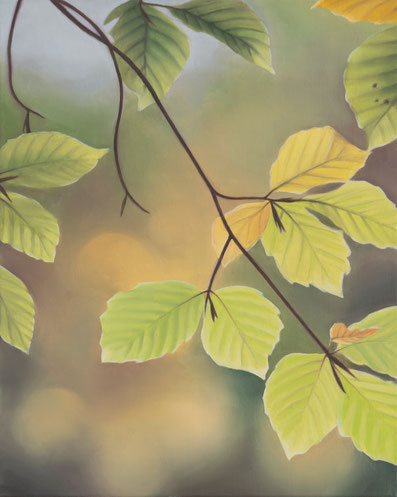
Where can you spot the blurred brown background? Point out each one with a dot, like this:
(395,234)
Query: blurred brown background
(179,425)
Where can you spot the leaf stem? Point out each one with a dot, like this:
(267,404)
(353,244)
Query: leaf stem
(364,369)
(217,266)
(101,37)
(28,110)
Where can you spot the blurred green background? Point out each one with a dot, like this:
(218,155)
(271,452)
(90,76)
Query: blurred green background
(179,425)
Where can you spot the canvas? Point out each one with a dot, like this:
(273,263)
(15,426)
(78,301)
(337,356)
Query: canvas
(197,234)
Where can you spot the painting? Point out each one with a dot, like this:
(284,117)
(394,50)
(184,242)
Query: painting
(197,234)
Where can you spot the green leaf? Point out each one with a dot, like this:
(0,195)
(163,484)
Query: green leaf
(301,400)
(16,311)
(47,159)
(361,210)
(149,321)
(158,47)
(244,333)
(28,227)
(371,86)
(368,415)
(377,351)
(232,22)
(308,252)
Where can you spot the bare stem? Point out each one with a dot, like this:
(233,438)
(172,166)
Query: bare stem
(28,110)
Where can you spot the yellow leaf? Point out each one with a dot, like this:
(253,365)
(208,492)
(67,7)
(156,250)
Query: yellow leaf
(315,157)
(377,11)
(340,333)
(247,221)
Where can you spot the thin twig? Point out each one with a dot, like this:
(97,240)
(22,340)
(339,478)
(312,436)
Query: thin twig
(28,110)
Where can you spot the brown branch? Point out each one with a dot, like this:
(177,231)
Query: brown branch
(28,110)
(101,36)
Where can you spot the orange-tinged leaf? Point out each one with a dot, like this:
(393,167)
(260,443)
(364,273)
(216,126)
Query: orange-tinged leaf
(315,157)
(377,11)
(247,221)
(340,333)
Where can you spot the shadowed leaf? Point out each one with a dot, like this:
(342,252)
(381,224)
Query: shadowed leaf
(159,48)
(371,87)
(232,22)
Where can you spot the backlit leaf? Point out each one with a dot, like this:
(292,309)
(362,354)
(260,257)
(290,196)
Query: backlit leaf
(315,157)
(340,333)
(371,88)
(368,415)
(378,11)
(377,351)
(16,311)
(244,333)
(361,210)
(232,22)
(301,400)
(28,227)
(308,252)
(247,221)
(155,44)
(149,321)
(46,160)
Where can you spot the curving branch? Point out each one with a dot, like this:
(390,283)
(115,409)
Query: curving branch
(28,110)
(66,8)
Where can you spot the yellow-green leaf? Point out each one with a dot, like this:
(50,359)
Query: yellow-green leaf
(16,311)
(149,321)
(28,227)
(377,11)
(232,22)
(377,351)
(368,414)
(371,88)
(315,157)
(247,222)
(154,43)
(47,159)
(245,331)
(301,400)
(308,252)
(361,210)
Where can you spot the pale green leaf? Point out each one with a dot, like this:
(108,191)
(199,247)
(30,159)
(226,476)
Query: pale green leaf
(301,400)
(308,252)
(368,414)
(361,210)
(377,351)
(232,22)
(149,321)
(28,227)
(244,333)
(47,159)
(371,87)
(159,48)
(16,311)
(315,157)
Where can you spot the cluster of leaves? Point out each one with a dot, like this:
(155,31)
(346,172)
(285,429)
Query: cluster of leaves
(305,249)
(35,160)
(303,231)
(160,48)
